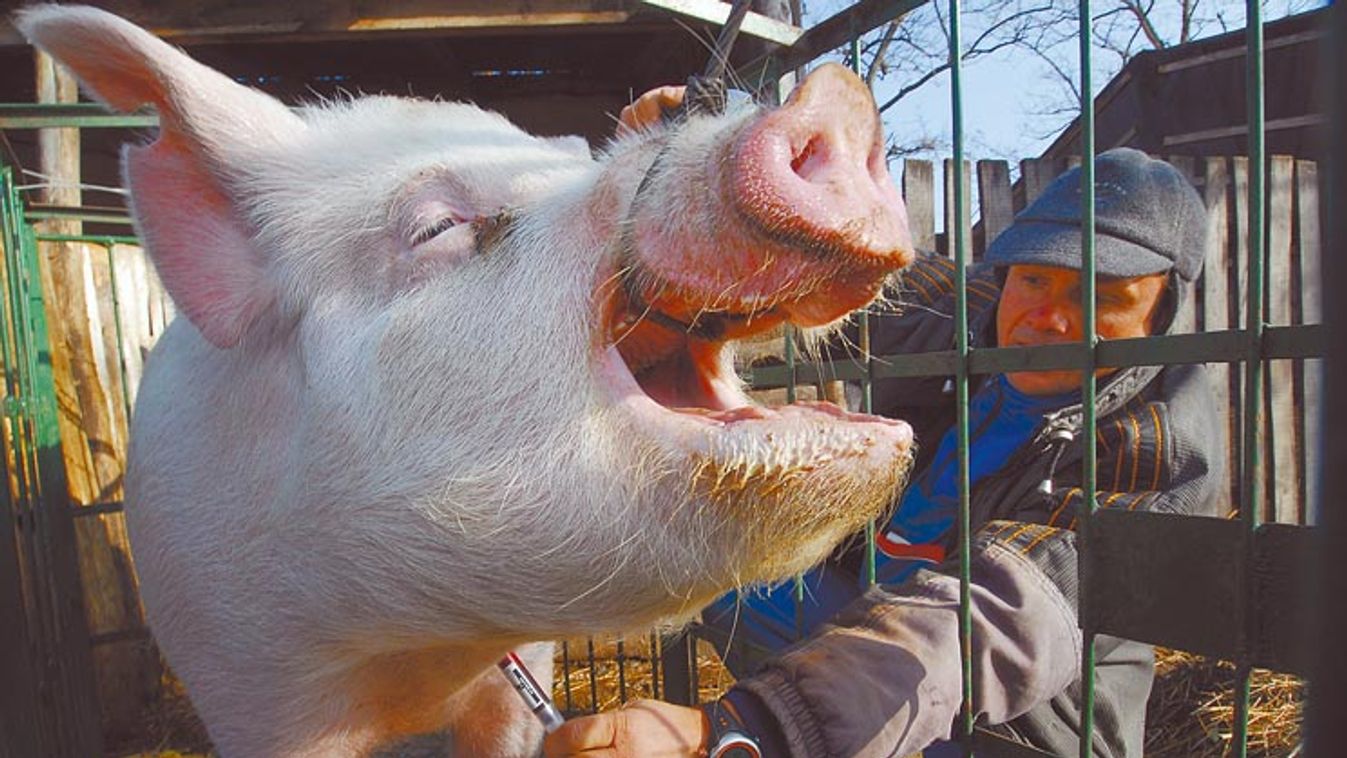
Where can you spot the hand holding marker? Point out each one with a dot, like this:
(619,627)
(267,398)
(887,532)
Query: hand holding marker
(534,696)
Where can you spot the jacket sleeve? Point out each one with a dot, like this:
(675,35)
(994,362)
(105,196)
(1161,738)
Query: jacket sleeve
(884,678)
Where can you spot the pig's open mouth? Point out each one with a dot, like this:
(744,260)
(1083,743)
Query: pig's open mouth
(684,390)
(792,219)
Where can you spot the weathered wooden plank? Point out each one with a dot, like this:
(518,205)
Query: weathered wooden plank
(1215,313)
(187,21)
(1240,295)
(93,419)
(1311,312)
(919,196)
(1036,175)
(994,199)
(67,679)
(1282,468)
(754,24)
(136,307)
(966,221)
(1185,321)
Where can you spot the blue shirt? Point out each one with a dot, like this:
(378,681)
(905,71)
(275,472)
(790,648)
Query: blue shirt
(1001,420)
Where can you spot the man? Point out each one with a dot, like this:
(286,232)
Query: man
(879,673)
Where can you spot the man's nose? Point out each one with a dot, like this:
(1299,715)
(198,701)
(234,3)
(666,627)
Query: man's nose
(1050,318)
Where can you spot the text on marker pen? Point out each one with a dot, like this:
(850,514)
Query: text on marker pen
(534,696)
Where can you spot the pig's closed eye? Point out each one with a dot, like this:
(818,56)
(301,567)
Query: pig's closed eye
(434,230)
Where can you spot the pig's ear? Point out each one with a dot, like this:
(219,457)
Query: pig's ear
(185,186)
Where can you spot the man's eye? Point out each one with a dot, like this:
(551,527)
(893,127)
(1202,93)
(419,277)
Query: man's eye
(434,230)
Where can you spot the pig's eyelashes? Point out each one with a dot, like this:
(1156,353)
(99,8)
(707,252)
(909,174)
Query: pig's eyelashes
(434,230)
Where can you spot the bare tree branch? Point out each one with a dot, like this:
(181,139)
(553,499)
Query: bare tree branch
(877,62)
(1144,20)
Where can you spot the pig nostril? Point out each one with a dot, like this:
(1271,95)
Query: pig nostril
(801,164)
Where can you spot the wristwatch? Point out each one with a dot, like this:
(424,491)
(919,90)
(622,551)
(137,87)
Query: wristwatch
(729,738)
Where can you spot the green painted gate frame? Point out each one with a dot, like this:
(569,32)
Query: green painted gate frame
(59,707)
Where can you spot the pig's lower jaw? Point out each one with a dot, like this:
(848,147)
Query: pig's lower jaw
(787,483)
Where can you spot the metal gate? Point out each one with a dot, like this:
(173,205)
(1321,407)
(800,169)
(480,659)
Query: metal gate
(47,706)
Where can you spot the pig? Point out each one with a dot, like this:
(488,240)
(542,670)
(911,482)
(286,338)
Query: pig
(441,389)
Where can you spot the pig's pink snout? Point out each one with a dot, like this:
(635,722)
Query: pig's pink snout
(814,170)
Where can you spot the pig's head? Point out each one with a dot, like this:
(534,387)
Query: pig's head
(443,380)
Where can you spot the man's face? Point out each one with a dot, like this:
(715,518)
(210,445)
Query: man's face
(1040,305)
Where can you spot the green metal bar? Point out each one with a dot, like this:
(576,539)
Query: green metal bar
(90,239)
(867,380)
(53,527)
(70,116)
(960,246)
(1278,343)
(1089,338)
(790,398)
(76,214)
(16,405)
(1253,366)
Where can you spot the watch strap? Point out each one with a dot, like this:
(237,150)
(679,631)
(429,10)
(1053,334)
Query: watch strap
(728,736)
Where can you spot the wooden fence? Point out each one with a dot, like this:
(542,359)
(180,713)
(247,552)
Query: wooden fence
(100,341)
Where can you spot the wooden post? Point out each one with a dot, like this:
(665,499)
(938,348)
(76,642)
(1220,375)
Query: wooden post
(92,422)
(1036,174)
(1311,312)
(965,176)
(1215,314)
(1240,296)
(919,196)
(1283,477)
(997,209)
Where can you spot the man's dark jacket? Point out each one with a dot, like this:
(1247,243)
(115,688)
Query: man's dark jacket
(884,677)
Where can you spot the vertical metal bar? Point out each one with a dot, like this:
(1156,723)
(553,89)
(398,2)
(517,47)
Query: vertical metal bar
(1253,366)
(790,398)
(20,707)
(677,664)
(593,678)
(867,380)
(72,670)
(960,244)
(621,672)
(1087,385)
(566,675)
(656,685)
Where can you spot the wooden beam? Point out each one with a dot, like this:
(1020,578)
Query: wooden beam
(830,33)
(203,21)
(714,11)
(91,418)
(483,21)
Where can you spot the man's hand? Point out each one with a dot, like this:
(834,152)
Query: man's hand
(640,729)
(649,107)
